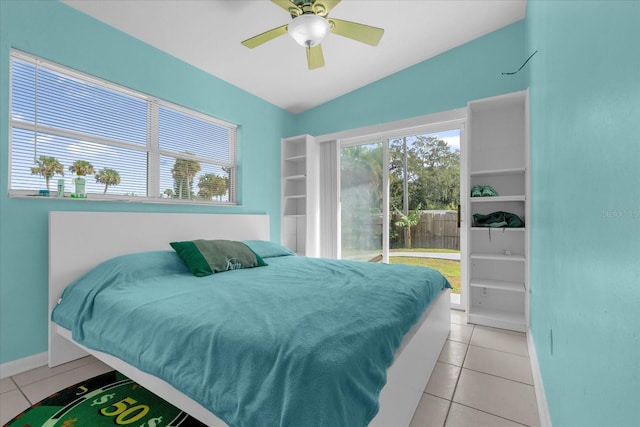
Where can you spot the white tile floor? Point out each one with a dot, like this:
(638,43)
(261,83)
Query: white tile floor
(483,378)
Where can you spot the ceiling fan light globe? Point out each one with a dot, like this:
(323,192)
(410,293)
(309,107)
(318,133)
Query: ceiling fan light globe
(309,30)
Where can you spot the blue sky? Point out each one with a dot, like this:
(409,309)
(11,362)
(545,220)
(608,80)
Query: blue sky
(451,137)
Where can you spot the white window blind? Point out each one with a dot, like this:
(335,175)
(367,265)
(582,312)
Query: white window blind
(158,150)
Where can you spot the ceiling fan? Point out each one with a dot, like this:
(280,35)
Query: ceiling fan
(310,25)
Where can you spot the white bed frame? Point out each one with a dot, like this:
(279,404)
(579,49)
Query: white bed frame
(79,241)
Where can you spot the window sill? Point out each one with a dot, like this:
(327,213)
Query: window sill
(119,199)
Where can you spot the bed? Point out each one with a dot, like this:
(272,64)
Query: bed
(80,241)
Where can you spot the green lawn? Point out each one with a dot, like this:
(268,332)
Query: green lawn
(450,251)
(449,269)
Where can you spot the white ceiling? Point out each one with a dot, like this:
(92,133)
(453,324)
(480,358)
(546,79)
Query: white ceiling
(207,34)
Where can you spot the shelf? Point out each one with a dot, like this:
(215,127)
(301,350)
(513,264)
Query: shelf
(498,172)
(497,199)
(296,159)
(497,284)
(497,318)
(498,158)
(497,257)
(299,195)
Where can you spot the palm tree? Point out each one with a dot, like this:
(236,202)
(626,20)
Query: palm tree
(81,168)
(108,177)
(183,173)
(168,192)
(212,185)
(47,167)
(410,220)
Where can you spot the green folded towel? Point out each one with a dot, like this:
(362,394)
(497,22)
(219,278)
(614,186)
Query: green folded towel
(488,191)
(483,191)
(476,191)
(498,220)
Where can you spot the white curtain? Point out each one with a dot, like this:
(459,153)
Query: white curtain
(329,206)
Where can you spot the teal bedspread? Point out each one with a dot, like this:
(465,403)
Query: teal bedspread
(300,342)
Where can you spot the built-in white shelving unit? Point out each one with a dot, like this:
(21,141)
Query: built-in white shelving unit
(499,257)
(299,186)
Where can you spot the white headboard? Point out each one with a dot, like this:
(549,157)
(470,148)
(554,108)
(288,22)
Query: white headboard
(79,241)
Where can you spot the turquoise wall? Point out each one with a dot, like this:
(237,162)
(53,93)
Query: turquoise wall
(61,34)
(585,222)
(445,82)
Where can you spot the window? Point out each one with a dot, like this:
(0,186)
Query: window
(138,147)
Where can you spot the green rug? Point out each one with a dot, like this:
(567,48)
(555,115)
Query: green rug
(109,399)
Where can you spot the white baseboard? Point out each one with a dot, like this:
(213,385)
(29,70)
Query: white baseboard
(543,409)
(22,365)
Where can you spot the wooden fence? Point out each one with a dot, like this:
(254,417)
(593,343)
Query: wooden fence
(436,229)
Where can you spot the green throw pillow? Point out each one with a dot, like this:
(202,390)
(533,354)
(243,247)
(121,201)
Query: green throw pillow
(205,257)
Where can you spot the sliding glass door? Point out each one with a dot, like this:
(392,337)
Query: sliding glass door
(399,202)
(362,201)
